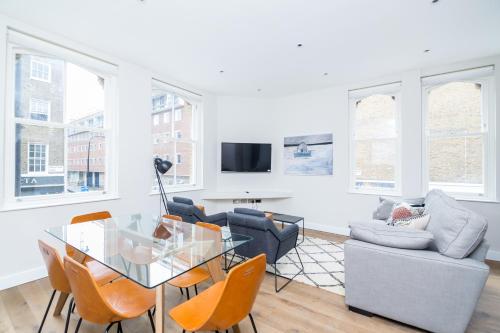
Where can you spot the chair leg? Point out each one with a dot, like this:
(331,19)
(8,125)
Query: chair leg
(78,325)
(70,310)
(196,289)
(182,293)
(47,310)
(187,292)
(150,315)
(253,323)
(284,277)
(109,327)
(120,329)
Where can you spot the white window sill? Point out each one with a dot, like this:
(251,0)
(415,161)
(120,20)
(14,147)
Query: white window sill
(179,189)
(474,199)
(51,202)
(374,192)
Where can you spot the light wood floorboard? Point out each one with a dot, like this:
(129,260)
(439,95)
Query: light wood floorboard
(299,308)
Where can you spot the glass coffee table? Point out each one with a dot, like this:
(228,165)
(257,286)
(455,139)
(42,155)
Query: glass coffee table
(289,219)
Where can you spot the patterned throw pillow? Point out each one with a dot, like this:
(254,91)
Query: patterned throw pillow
(415,222)
(404,211)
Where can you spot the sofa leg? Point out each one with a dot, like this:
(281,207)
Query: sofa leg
(360,311)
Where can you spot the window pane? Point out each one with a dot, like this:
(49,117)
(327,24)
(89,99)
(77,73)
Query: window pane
(70,86)
(39,160)
(184,118)
(455,108)
(455,138)
(184,163)
(86,167)
(375,142)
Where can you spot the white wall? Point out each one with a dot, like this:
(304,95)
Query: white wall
(20,260)
(324,200)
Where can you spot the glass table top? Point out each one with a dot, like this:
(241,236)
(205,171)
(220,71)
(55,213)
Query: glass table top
(146,248)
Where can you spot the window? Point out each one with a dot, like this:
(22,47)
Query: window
(459,138)
(179,138)
(156,120)
(50,140)
(37,158)
(39,109)
(375,140)
(40,70)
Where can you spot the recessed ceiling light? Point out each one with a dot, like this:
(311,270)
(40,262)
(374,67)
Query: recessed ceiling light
(427,51)
(221,71)
(300,45)
(259,90)
(435,1)
(325,74)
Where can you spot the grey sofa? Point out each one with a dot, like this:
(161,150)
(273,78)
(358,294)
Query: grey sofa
(435,289)
(266,238)
(189,212)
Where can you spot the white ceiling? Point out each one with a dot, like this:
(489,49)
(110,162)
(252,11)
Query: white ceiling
(254,41)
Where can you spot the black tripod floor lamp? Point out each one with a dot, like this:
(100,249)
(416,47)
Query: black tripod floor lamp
(161,167)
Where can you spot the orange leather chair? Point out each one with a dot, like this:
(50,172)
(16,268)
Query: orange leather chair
(109,304)
(196,275)
(99,271)
(225,303)
(57,278)
(172,217)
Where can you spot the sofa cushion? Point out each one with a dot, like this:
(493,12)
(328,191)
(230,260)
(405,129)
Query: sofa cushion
(386,235)
(457,230)
(248,211)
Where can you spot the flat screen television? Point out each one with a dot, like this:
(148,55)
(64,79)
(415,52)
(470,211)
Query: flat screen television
(245,157)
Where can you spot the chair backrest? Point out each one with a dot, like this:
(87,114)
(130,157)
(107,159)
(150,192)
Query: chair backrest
(89,302)
(183,200)
(70,251)
(240,289)
(172,217)
(55,268)
(261,229)
(188,211)
(211,226)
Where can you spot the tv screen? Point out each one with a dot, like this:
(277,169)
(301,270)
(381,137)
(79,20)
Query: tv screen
(246,157)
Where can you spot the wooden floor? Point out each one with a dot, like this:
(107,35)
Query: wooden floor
(298,308)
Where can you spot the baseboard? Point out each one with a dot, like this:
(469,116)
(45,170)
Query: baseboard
(493,255)
(344,231)
(19,278)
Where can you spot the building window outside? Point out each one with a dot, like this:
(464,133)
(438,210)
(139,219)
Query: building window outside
(156,120)
(375,141)
(54,125)
(37,158)
(458,133)
(39,109)
(40,71)
(184,141)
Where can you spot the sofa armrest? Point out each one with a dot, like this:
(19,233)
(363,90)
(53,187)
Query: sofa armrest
(417,287)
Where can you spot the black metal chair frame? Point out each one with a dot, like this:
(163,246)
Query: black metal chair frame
(227,331)
(119,323)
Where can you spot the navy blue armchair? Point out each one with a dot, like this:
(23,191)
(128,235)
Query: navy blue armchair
(185,208)
(266,238)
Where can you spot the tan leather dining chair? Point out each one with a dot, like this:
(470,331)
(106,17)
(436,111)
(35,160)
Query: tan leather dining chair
(196,275)
(58,279)
(99,271)
(226,303)
(108,304)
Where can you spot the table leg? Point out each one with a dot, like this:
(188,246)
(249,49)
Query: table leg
(160,307)
(60,303)
(78,257)
(214,267)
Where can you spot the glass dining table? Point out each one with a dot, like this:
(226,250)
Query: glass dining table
(149,250)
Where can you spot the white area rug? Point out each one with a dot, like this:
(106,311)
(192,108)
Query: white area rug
(323,264)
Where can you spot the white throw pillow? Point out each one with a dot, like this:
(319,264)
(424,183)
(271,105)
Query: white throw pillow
(415,222)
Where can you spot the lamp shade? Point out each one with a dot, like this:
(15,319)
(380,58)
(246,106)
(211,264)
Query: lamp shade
(162,165)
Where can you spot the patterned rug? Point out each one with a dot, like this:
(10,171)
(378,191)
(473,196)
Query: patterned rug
(323,265)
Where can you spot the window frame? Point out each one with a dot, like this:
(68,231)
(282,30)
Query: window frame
(49,72)
(49,105)
(196,138)
(489,145)
(394,89)
(24,44)
(35,173)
